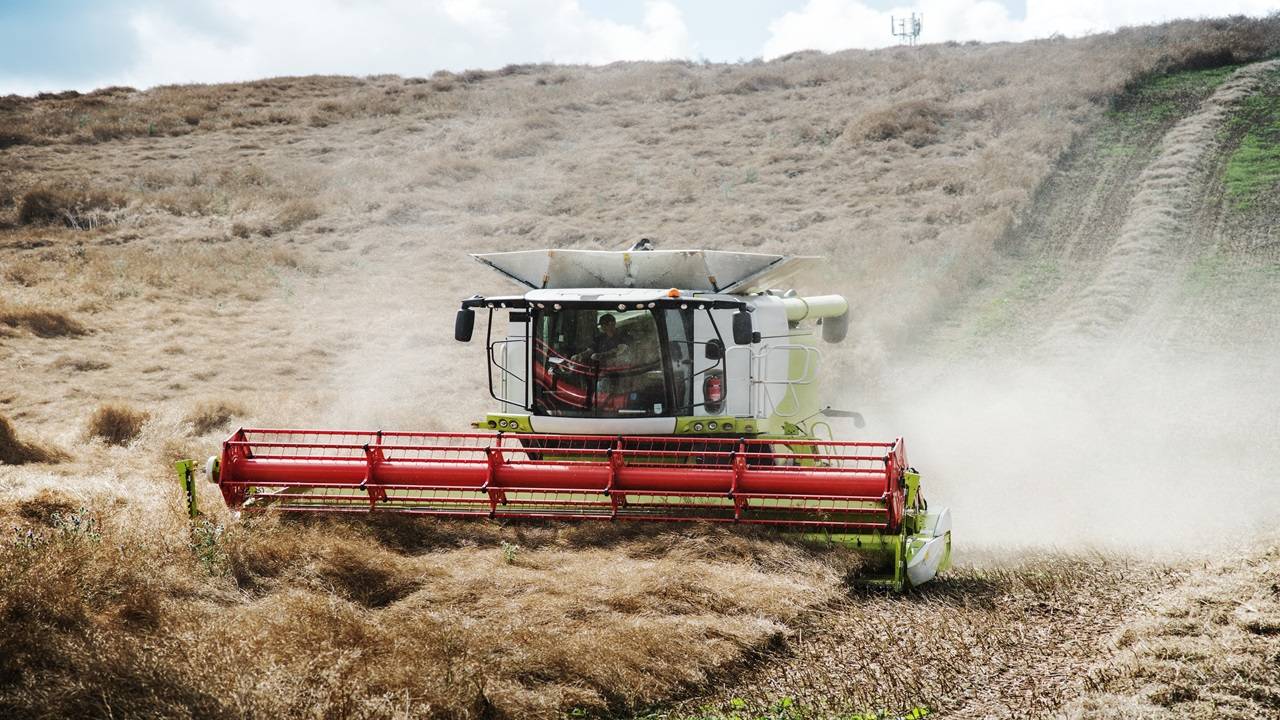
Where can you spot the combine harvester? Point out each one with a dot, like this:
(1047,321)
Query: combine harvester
(647,385)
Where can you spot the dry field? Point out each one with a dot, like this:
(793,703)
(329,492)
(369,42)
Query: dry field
(1066,299)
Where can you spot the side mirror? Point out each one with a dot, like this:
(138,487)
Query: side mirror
(714,350)
(743,332)
(463,325)
(857,418)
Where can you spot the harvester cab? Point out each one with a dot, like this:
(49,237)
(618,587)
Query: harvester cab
(663,346)
(645,385)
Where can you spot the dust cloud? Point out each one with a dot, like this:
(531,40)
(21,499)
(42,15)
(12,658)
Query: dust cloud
(1140,417)
(1133,451)
(395,363)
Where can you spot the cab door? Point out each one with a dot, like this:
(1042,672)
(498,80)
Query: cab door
(511,356)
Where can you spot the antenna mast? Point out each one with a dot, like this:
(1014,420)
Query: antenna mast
(907,30)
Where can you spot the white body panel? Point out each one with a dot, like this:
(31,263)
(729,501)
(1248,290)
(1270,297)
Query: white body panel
(924,565)
(603,426)
(782,362)
(512,357)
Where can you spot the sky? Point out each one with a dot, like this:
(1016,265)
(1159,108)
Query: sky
(51,45)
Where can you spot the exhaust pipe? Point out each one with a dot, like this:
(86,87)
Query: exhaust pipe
(832,311)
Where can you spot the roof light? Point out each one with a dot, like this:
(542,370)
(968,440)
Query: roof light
(711,425)
(651,305)
(673,293)
(622,306)
(556,306)
(697,427)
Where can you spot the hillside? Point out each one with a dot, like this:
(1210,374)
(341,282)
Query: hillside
(1114,357)
(1062,261)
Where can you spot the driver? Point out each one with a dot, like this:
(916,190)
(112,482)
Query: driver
(609,346)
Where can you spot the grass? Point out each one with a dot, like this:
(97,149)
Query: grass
(1159,91)
(79,364)
(119,113)
(1252,174)
(916,122)
(1157,102)
(374,622)
(833,121)
(105,273)
(14,451)
(212,415)
(41,322)
(1209,271)
(1030,286)
(80,210)
(117,424)
(786,709)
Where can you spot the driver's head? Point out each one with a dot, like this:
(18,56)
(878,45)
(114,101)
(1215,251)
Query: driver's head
(608,325)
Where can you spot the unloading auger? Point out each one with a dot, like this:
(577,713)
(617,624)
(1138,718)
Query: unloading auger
(661,386)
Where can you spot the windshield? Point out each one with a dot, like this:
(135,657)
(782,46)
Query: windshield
(612,363)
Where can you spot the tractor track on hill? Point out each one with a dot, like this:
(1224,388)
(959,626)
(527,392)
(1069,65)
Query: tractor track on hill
(1164,222)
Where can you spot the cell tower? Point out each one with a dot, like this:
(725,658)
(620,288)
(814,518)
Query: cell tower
(907,30)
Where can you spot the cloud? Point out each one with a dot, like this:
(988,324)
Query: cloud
(839,24)
(205,41)
(40,44)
